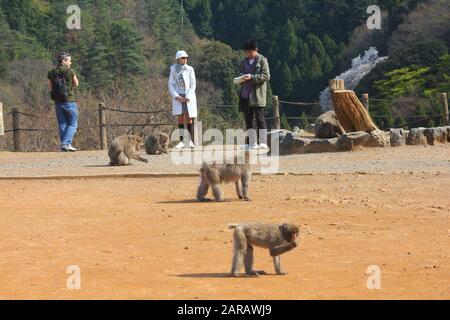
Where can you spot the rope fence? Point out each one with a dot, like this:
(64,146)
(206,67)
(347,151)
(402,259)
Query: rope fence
(276,118)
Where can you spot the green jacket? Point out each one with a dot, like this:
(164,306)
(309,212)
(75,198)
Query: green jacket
(258,97)
(69,74)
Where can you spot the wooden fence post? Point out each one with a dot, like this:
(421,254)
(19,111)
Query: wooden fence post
(276,112)
(2,125)
(365,101)
(102,126)
(16,129)
(445,115)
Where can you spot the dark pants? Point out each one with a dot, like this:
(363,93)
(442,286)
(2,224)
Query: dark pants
(254,119)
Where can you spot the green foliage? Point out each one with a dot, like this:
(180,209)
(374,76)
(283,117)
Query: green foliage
(303,121)
(285,123)
(401,82)
(200,14)
(128,49)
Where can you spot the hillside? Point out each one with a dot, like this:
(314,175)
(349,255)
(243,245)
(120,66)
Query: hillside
(124,49)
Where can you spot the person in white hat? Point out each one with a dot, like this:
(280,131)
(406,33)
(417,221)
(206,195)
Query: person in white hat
(182,86)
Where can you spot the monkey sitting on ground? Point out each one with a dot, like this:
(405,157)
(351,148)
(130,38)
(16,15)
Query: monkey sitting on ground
(327,126)
(213,175)
(157,143)
(125,148)
(278,239)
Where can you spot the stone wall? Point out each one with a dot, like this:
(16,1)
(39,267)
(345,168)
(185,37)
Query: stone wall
(296,143)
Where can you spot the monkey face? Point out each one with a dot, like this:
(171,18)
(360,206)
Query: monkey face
(291,231)
(164,140)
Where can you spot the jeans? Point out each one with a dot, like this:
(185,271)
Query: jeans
(67,115)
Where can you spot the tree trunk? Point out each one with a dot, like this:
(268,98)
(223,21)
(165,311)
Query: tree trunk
(351,112)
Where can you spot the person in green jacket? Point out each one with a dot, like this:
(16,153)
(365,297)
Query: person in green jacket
(253,95)
(61,81)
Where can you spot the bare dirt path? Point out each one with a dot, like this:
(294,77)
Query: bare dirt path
(376,160)
(146,238)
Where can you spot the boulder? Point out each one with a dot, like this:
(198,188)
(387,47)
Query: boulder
(348,141)
(289,142)
(310,128)
(436,135)
(416,137)
(378,139)
(322,145)
(398,137)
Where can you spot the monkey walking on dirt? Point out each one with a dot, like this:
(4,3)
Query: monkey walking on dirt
(278,239)
(213,175)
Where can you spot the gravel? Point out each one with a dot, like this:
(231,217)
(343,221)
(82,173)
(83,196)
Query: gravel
(407,159)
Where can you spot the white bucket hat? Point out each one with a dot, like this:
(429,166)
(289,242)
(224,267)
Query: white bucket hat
(181,54)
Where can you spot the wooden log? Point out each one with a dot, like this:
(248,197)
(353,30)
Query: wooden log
(16,129)
(445,114)
(276,112)
(2,125)
(337,84)
(365,101)
(351,113)
(102,126)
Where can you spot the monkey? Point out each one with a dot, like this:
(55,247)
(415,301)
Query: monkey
(327,126)
(157,143)
(278,239)
(212,175)
(125,148)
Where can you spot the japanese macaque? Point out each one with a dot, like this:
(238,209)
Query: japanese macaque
(125,148)
(278,239)
(327,126)
(157,143)
(213,175)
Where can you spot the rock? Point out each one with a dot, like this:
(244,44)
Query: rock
(436,135)
(289,142)
(322,145)
(398,137)
(416,137)
(293,144)
(348,141)
(378,139)
(310,128)
(299,131)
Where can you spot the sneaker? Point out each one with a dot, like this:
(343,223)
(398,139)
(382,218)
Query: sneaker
(65,148)
(263,146)
(71,149)
(191,145)
(255,146)
(180,145)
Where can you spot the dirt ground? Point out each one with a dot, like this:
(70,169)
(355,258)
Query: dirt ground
(148,239)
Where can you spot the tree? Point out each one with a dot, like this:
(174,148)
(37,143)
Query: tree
(128,51)
(200,15)
(304,121)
